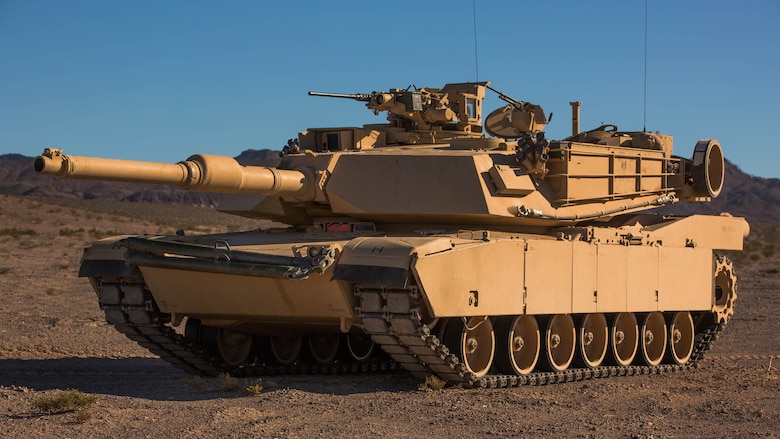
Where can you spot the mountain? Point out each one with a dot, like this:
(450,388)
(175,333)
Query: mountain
(756,198)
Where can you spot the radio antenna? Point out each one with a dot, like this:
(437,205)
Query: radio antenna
(476,58)
(644,115)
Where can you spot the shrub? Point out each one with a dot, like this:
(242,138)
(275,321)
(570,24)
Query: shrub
(257,386)
(15,232)
(255,389)
(229,384)
(194,381)
(432,383)
(71,232)
(27,244)
(65,401)
(99,234)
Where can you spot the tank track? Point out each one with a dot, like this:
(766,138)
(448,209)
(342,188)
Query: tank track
(390,316)
(393,319)
(130,308)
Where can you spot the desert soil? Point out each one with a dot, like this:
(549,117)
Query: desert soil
(53,337)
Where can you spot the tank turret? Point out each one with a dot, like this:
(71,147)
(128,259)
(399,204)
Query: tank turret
(483,253)
(453,174)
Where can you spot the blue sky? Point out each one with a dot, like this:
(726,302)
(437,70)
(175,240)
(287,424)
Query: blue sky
(161,80)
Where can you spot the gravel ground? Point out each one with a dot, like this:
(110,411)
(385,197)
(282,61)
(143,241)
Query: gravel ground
(53,337)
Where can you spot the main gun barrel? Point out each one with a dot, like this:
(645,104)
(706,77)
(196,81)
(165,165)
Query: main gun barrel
(202,172)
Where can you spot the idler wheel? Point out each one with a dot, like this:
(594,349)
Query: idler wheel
(473,342)
(681,337)
(360,346)
(324,347)
(560,337)
(653,341)
(233,346)
(592,340)
(623,338)
(519,342)
(286,348)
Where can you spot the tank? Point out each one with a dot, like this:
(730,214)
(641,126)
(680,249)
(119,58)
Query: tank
(476,251)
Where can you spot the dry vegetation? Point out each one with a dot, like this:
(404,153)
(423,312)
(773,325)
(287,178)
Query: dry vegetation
(54,337)
(68,401)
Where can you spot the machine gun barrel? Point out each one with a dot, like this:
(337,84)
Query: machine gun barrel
(508,99)
(362,97)
(202,172)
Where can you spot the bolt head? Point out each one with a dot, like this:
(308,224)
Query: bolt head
(518,343)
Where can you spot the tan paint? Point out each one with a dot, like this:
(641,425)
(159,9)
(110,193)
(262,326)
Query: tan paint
(686,280)
(480,227)
(248,297)
(554,276)
(483,278)
(548,277)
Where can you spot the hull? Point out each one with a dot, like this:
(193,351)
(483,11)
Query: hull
(475,307)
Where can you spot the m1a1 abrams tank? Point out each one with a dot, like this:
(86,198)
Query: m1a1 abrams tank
(423,243)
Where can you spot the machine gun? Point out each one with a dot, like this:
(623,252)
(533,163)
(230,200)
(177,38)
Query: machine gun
(362,97)
(519,119)
(454,106)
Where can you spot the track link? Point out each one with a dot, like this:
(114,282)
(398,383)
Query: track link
(394,321)
(130,308)
(390,316)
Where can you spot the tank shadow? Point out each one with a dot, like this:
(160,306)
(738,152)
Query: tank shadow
(152,378)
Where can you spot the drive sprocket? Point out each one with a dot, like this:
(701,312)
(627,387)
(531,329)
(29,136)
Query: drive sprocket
(725,289)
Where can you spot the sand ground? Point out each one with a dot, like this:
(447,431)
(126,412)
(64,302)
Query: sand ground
(53,337)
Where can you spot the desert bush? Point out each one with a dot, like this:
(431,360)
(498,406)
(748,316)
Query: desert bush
(258,386)
(255,389)
(64,401)
(71,232)
(99,234)
(16,232)
(194,381)
(228,383)
(432,383)
(768,251)
(83,415)
(4,270)
(27,244)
